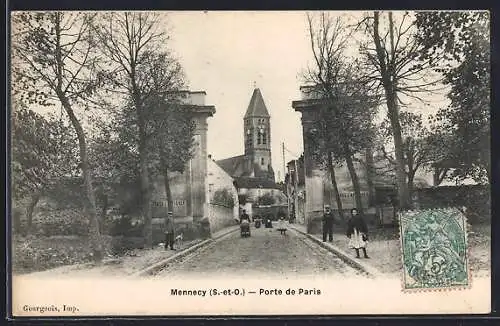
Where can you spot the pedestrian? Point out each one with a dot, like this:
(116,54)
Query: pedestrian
(282,225)
(244,216)
(169,231)
(327,224)
(357,232)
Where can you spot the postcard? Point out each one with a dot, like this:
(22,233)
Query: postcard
(198,163)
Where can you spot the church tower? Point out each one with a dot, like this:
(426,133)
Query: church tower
(257,129)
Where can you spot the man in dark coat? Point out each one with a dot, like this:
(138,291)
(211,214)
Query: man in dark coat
(328,224)
(169,231)
(244,216)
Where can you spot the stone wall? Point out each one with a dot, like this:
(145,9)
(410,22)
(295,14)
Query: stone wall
(220,217)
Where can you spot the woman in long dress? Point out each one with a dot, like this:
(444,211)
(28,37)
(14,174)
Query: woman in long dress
(282,225)
(357,232)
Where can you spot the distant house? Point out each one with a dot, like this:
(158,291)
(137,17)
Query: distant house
(222,196)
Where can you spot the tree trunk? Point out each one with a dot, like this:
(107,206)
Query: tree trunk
(144,171)
(90,203)
(411,177)
(369,176)
(166,180)
(439,175)
(388,82)
(29,211)
(355,180)
(435,177)
(16,220)
(104,211)
(334,184)
(403,194)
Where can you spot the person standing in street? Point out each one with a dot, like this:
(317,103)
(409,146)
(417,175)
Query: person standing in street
(244,216)
(357,232)
(328,224)
(169,231)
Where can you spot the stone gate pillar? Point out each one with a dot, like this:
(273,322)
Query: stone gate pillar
(314,181)
(188,188)
(197,174)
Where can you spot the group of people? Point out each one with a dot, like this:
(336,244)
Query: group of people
(282,223)
(357,230)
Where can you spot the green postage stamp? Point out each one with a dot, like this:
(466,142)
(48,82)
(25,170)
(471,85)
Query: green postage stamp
(434,249)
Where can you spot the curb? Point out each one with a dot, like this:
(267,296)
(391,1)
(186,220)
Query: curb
(159,265)
(370,270)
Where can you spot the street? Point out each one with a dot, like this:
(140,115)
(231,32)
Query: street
(266,253)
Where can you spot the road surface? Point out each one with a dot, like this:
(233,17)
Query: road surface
(266,252)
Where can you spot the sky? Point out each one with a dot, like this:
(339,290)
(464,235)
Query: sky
(225,53)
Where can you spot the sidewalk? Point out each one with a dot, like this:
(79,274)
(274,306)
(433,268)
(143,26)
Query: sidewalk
(135,262)
(335,247)
(152,268)
(384,249)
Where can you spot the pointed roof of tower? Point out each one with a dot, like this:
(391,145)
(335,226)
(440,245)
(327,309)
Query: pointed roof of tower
(257,107)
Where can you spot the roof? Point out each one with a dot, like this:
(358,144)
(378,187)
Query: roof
(257,107)
(253,183)
(233,166)
(237,167)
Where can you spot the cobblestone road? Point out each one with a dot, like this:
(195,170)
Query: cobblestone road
(266,252)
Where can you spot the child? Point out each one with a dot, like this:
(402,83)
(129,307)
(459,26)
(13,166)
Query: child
(282,226)
(357,232)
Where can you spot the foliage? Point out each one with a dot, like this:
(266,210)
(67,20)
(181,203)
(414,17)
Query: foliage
(44,44)
(42,253)
(115,165)
(223,197)
(54,59)
(172,141)
(266,199)
(345,122)
(463,39)
(143,75)
(418,144)
(476,198)
(389,61)
(43,151)
(343,126)
(126,226)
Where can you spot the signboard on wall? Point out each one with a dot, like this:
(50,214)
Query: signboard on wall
(179,190)
(348,200)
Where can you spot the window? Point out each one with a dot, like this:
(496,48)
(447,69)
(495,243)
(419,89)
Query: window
(262,161)
(264,138)
(249,137)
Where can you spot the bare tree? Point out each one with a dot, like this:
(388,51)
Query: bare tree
(391,62)
(346,117)
(417,148)
(53,60)
(133,41)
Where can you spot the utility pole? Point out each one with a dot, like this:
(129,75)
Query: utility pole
(296,193)
(284,179)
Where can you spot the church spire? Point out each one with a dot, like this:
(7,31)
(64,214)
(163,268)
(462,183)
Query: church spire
(257,107)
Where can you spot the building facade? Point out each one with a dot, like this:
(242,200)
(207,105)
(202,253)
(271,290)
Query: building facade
(223,197)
